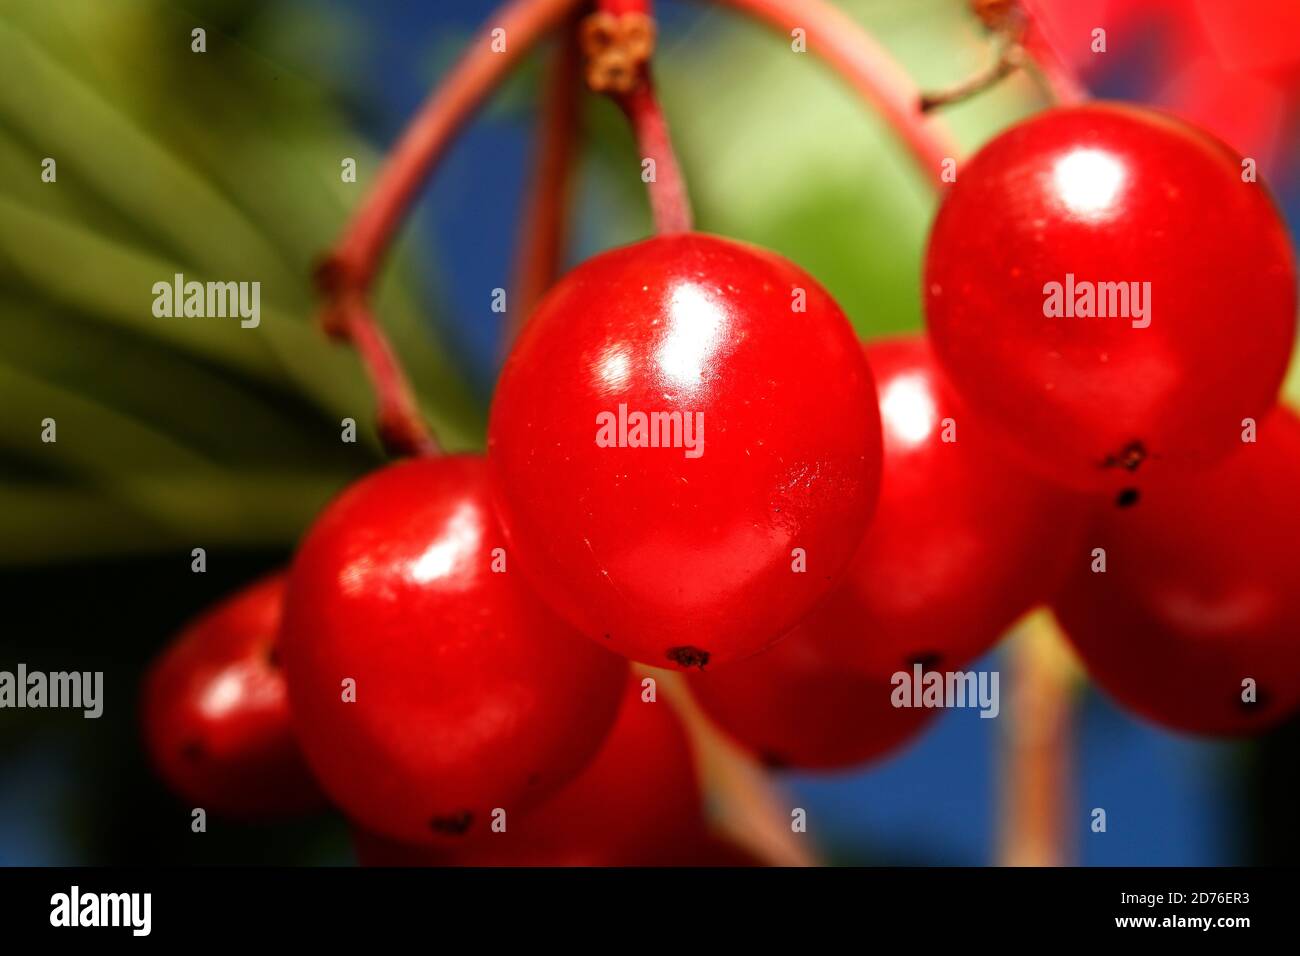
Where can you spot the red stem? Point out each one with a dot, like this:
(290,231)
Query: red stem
(480,69)
(349,270)
(401,428)
(670,204)
(544,228)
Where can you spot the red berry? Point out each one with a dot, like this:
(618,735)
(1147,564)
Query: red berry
(374,850)
(637,804)
(795,705)
(216,714)
(1104,193)
(1201,591)
(469,695)
(716,851)
(667,558)
(964,540)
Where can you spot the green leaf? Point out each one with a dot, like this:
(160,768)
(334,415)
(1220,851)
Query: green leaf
(178,432)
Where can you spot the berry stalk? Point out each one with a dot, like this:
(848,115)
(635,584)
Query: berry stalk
(619,41)
(1011,59)
(1037,752)
(669,203)
(397,416)
(1022,43)
(751,811)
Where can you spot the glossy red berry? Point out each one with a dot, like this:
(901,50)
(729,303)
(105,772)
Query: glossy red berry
(1201,592)
(637,804)
(795,705)
(1118,205)
(684,555)
(216,713)
(429,686)
(964,541)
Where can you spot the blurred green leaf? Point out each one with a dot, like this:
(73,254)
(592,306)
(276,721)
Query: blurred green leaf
(225,165)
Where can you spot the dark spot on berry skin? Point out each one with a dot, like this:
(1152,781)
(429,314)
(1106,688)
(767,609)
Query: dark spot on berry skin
(606,637)
(273,655)
(1127,498)
(772,760)
(192,750)
(534,779)
(456,825)
(1130,457)
(687,656)
(929,660)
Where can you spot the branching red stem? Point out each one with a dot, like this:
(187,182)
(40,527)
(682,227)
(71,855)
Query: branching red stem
(349,270)
(400,426)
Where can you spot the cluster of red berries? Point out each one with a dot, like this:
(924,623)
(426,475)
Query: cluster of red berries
(456,631)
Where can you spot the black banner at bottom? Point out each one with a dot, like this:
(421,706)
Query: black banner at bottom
(212,905)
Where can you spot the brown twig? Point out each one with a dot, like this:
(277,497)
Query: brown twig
(1023,43)
(1011,58)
